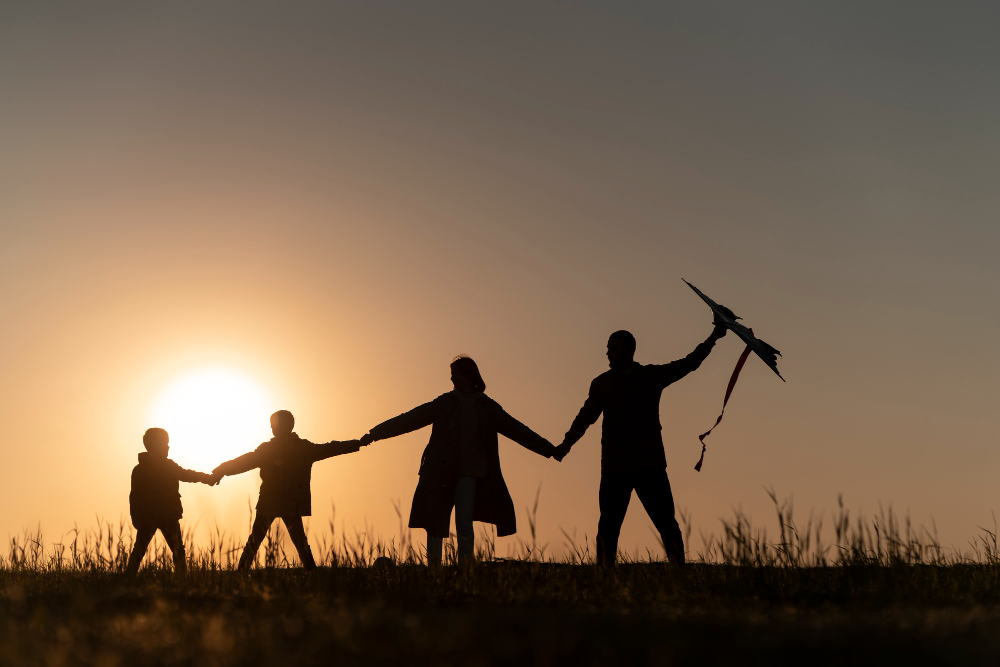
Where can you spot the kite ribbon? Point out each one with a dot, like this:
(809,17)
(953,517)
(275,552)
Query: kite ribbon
(729,391)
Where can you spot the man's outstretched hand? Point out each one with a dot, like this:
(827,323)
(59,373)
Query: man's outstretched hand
(561,451)
(215,478)
(728,313)
(720,328)
(366,439)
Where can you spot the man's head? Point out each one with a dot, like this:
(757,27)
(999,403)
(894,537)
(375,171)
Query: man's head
(621,349)
(156,441)
(282,423)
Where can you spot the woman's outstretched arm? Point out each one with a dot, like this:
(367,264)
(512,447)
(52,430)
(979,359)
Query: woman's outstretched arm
(522,435)
(334,448)
(418,417)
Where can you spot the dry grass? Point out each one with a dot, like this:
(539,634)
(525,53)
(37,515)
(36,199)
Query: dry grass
(860,590)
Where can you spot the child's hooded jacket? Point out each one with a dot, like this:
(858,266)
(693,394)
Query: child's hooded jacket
(155,496)
(285,464)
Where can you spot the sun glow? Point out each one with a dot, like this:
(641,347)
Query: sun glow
(213,415)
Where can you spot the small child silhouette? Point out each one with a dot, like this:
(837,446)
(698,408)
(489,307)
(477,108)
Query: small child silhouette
(155,500)
(285,463)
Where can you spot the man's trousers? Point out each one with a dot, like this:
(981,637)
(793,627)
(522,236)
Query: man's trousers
(653,489)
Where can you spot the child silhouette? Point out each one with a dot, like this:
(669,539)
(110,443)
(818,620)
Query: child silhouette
(155,500)
(285,463)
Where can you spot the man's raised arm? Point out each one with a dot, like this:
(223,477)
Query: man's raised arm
(675,370)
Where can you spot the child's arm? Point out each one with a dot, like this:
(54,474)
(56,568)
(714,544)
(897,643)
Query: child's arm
(335,448)
(185,475)
(240,464)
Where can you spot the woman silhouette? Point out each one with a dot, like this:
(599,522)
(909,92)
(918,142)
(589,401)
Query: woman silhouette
(460,467)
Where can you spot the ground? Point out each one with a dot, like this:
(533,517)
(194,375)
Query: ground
(508,612)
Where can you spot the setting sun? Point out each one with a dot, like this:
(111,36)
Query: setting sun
(212,415)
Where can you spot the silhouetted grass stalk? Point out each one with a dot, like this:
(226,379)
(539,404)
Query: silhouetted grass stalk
(883,540)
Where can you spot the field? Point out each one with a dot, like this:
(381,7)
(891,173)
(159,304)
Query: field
(879,592)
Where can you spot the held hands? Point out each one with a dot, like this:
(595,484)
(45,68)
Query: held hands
(561,451)
(366,439)
(215,478)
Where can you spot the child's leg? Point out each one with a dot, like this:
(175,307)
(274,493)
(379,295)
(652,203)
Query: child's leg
(144,534)
(261,524)
(465,500)
(433,550)
(297,532)
(175,540)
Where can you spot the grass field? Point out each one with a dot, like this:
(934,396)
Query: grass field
(880,592)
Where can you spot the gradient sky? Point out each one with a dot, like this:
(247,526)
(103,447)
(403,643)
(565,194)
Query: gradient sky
(337,198)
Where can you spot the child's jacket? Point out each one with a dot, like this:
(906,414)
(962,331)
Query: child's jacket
(285,464)
(155,496)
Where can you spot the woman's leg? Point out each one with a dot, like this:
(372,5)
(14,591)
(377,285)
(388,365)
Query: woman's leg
(433,550)
(465,501)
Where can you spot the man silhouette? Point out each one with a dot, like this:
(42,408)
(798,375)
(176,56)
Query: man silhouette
(632,455)
(285,463)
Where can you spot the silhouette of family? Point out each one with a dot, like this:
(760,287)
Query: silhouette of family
(460,466)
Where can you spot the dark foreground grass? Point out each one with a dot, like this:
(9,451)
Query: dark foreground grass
(505,613)
(876,591)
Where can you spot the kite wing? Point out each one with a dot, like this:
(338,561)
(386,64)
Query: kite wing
(728,319)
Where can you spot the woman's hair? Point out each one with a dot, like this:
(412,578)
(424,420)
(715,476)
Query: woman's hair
(466,367)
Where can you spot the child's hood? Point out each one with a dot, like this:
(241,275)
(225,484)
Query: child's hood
(146,458)
(285,438)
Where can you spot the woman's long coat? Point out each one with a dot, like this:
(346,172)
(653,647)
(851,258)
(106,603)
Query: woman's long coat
(439,467)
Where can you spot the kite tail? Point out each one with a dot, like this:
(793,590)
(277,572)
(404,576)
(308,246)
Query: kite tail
(729,391)
(697,466)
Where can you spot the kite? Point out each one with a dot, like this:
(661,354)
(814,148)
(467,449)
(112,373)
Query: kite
(728,319)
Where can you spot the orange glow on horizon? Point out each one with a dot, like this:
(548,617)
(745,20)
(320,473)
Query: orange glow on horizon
(212,415)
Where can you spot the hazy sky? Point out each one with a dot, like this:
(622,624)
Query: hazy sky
(335,199)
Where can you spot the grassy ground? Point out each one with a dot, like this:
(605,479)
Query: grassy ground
(878,592)
(528,613)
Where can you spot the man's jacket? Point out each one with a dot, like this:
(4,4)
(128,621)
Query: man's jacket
(630,400)
(285,464)
(155,496)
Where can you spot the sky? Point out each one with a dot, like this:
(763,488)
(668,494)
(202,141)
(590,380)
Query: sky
(329,201)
